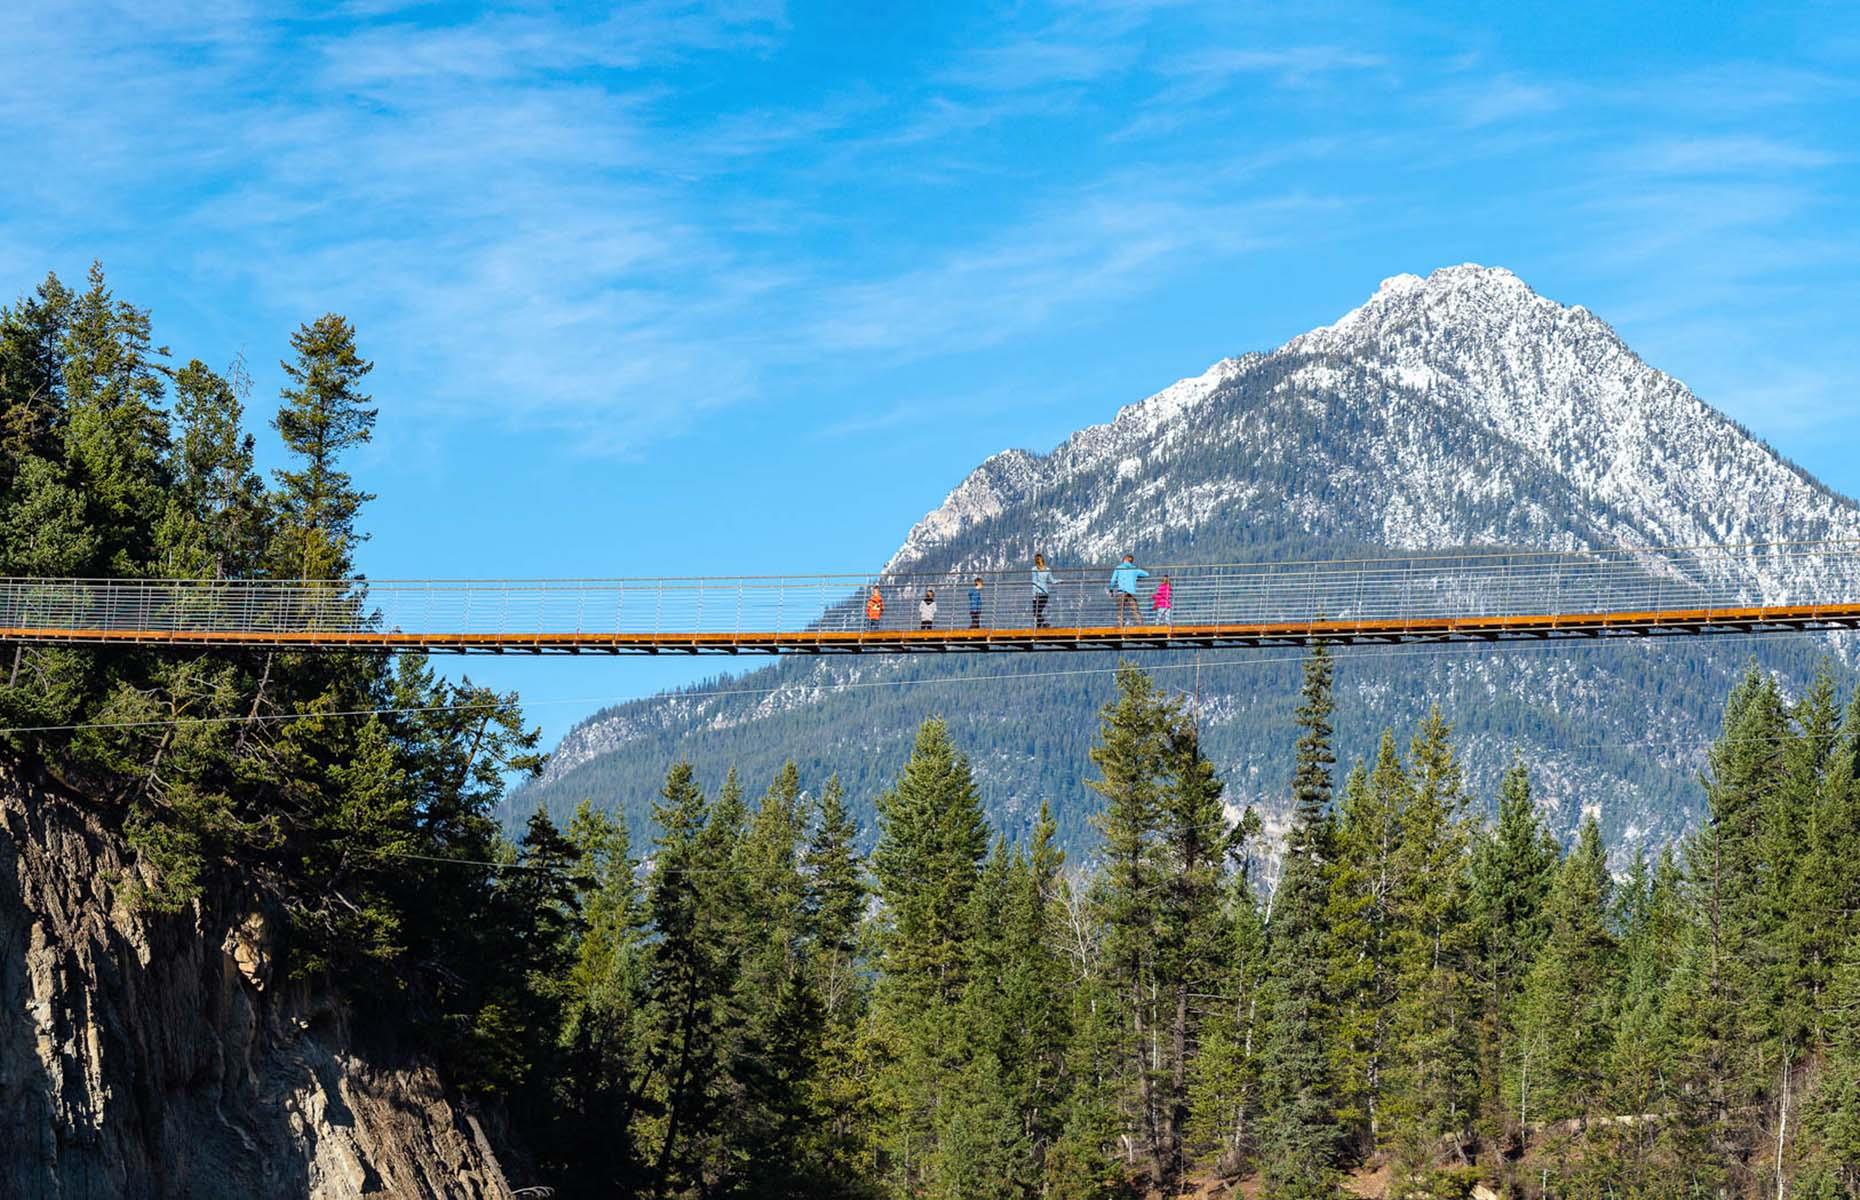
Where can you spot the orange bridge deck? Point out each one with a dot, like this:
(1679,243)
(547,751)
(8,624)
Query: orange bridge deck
(1519,627)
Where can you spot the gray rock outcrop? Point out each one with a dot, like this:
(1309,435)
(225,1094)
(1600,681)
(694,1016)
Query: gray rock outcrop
(145,1054)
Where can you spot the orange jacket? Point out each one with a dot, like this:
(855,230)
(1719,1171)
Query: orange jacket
(875,606)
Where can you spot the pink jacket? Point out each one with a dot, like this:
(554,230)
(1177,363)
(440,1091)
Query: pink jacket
(1163,592)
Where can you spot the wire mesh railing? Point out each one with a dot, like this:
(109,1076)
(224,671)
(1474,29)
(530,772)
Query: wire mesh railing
(1485,584)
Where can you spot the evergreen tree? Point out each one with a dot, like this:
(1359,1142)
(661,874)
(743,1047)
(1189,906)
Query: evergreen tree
(602,1036)
(1298,1129)
(365,811)
(776,1044)
(1311,774)
(542,891)
(691,977)
(834,909)
(835,894)
(1084,1162)
(1812,835)
(116,436)
(932,840)
(32,397)
(1158,896)
(1649,924)
(983,1146)
(1566,1010)
(1832,1117)
(1193,849)
(1513,866)
(1224,1087)
(1361,895)
(325,415)
(1014,1010)
(214,523)
(1723,1040)
(1434,945)
(982,1150)
(45,527)
(1037,985)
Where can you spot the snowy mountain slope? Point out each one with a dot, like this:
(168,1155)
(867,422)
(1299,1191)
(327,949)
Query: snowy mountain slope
(1457,410)
(1453,395)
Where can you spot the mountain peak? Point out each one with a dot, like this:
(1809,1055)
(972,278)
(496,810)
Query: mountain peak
(1454,295)
(1452,410)
(1427,367)
(1463,277)
(1471,274)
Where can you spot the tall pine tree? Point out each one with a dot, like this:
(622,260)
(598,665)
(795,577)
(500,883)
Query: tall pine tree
(1514,863)
(1298,1129)
(325,415)
(932,840)
(1434,944)
(116,435)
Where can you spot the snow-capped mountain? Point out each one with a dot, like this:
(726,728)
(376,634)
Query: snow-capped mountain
(1454,411)
(1458,410)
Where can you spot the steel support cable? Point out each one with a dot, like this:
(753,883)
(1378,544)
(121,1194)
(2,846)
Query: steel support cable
(1640,581)
(1244,658)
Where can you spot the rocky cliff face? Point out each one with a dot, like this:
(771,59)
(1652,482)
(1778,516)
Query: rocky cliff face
(144,1054)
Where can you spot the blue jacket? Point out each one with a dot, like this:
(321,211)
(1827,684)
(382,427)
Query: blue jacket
(1124,578)
(1042,582)
(975,600)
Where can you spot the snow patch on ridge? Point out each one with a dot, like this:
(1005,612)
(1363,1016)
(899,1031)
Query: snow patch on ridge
(1012,476)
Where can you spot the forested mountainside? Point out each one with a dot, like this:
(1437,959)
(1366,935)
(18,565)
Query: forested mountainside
(1460,410)
(251,943)
(260,934)
(1429,1002)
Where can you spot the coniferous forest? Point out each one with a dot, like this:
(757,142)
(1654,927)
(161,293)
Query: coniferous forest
(1427,994)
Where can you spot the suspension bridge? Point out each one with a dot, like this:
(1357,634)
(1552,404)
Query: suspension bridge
(1490,596)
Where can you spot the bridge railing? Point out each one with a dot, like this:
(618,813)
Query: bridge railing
(1473,584)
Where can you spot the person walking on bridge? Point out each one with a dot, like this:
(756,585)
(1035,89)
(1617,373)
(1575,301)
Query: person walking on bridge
(1163,602)
(1124,590)
(874,608)
(926,609)
(975,604)
(1042,590)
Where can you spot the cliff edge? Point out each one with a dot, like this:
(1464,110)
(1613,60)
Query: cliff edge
(145,1054)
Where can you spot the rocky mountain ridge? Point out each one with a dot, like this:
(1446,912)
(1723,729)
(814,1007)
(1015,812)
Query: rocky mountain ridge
(1555,384)
(1459,410)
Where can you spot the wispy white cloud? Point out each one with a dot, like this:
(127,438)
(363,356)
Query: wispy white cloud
(534,225)
(1037,62)
(1498,99)
(1093,249)
(1796,398)
(1735,88)
(503,206)
(1291,65)
(1727,154)
(894,416)
(512,229)
(1657,222)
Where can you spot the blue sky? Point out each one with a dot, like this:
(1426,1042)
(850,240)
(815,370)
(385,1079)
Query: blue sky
(747,287)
